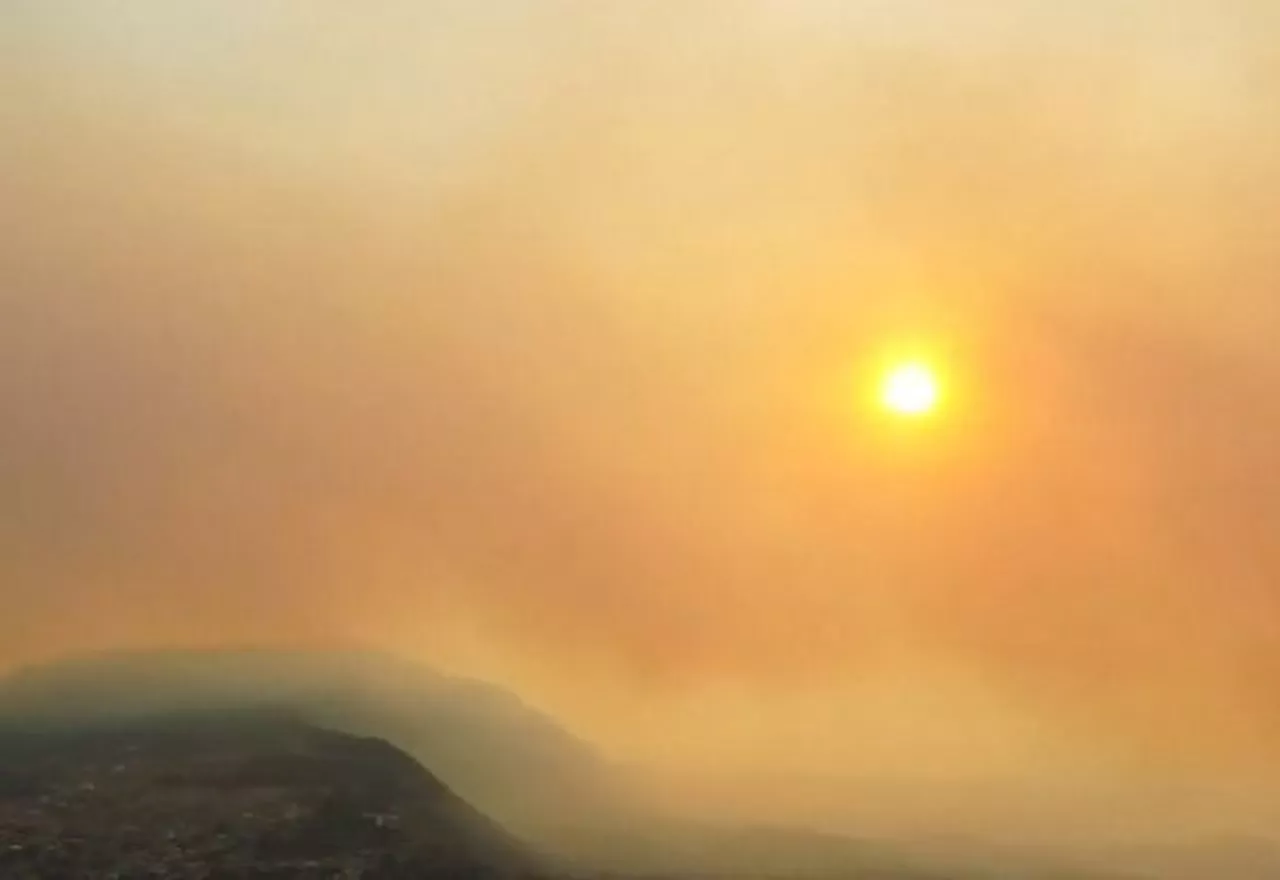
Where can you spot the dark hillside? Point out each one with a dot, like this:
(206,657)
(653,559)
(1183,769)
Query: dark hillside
(253,794)
(494,751)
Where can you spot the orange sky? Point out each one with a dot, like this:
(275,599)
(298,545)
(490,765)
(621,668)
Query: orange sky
(527,339)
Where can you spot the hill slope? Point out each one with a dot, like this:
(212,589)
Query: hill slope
(511,761)
(495,752)
(250,794)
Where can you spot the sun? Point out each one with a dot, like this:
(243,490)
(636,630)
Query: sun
(911,390)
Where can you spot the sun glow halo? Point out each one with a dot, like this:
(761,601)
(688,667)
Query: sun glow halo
(911,390)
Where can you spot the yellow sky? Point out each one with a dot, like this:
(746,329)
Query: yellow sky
(529,339)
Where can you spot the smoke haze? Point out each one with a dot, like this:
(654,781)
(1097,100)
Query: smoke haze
(530,340)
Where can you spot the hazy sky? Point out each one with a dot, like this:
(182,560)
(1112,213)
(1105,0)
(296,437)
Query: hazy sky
(531,339)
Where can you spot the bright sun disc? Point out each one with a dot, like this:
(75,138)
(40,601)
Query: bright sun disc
(910,390)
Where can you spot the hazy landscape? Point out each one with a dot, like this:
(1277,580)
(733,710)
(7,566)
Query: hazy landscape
(692,437)
(267,761)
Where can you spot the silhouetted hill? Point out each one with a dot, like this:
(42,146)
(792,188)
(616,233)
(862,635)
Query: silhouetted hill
(509,760)
(512,762)
(248,794)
